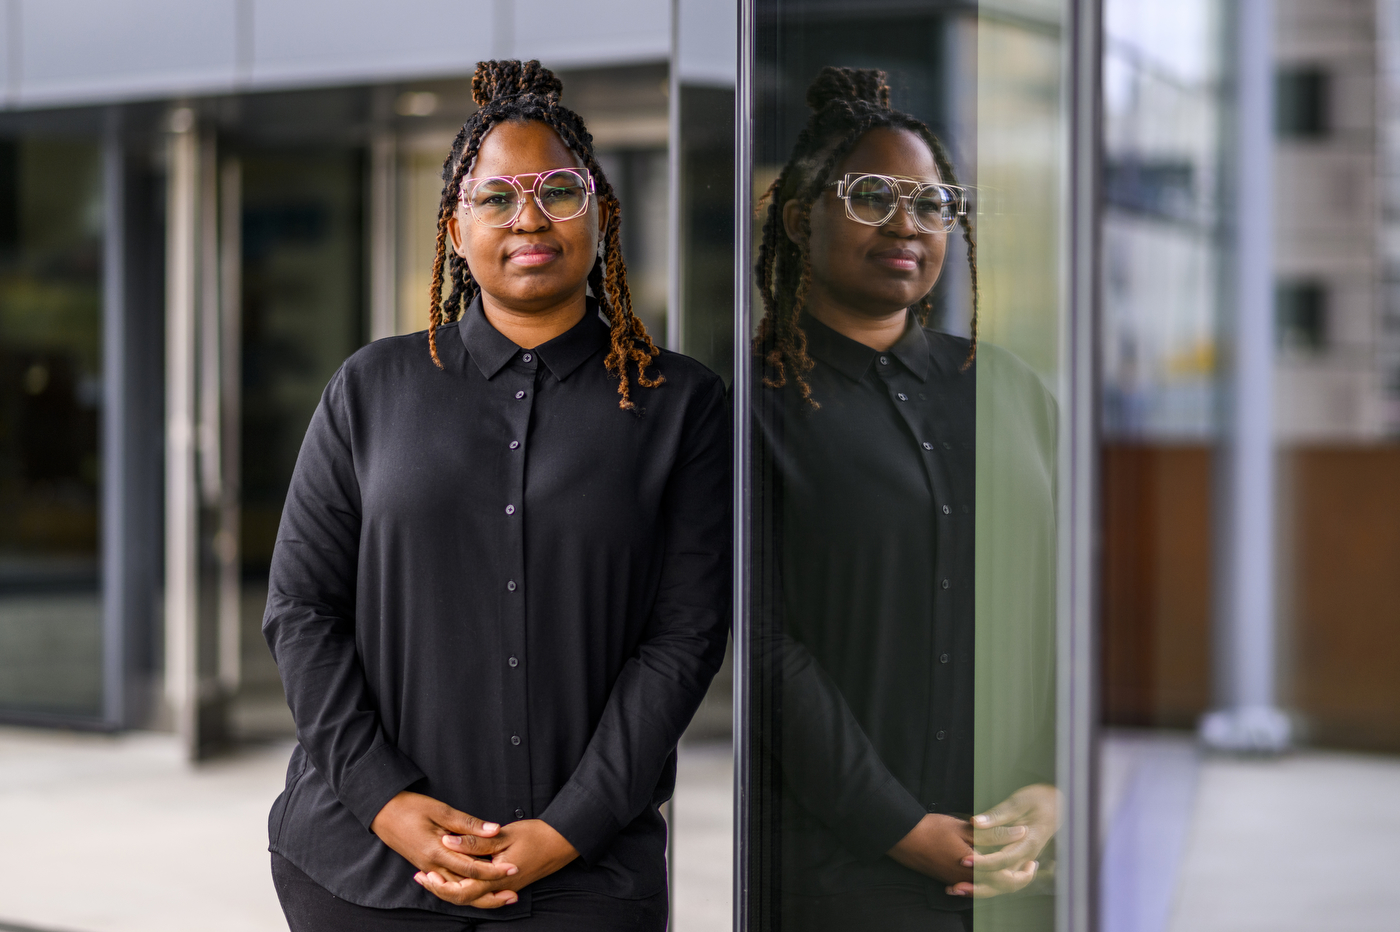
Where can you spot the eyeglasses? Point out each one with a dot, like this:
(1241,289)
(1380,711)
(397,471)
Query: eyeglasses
(560,193)
(873,200)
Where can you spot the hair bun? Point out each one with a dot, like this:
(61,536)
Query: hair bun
(850,85)
(498,80)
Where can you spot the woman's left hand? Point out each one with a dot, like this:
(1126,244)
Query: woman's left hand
(1019,828)
(532,845)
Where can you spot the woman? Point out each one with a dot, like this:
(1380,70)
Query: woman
(499,588)
(868,475)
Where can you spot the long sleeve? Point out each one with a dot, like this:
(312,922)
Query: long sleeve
(661,686)
(829,764)
(310,619)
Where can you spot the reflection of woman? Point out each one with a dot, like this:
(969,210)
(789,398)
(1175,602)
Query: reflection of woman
(869,429)
(498,590)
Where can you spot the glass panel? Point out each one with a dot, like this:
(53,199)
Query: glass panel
(50,421)
(1250,517)
(903,624)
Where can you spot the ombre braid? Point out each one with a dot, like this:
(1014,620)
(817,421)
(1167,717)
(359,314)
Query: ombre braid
(520,92)
(846,104)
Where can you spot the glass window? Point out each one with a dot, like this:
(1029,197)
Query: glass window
(51,220)
(905,397)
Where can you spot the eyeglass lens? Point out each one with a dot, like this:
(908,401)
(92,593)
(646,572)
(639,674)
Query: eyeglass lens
(563,195)
(873,201)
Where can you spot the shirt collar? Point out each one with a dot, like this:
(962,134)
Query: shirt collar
(853,359)
(491,350)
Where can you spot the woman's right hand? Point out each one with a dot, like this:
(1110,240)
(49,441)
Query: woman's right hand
(937,847)
(415,826)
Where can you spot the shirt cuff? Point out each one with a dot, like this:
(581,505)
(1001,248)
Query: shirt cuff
(882,819)
(584,822)
(375,779)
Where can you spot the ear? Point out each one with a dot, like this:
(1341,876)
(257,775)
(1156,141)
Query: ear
(604,215)
(791,210)
(454,233)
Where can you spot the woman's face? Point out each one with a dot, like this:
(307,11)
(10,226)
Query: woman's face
(873,271)
(535,263)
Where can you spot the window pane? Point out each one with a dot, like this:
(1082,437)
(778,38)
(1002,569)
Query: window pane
(50,421)
(905,410)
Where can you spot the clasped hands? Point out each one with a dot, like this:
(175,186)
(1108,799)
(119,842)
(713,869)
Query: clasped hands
(1012,834)
(466,861)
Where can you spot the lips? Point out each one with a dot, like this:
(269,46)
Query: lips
(533,254)
(898,259)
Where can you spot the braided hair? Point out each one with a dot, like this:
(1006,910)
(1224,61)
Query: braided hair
(846,104)
(516,92)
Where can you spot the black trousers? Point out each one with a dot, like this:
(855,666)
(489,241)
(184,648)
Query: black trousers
(310,907)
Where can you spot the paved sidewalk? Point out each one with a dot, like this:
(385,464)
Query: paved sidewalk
(116,834)
(104,833)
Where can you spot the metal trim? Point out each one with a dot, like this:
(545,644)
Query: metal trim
(1077,699)
(741,393)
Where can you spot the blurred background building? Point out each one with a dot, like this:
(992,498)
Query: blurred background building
(203,210)
(1167,310)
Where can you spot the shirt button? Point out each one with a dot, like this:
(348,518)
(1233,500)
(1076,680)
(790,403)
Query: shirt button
(515,444)
(520,813)
(902,397)
(927,445)
(519,394)
(515,663)
(515,739)
(942,658)
(945,584)
(884,360)
(947,510)
(510,509)
(941,735)
(528,358)
(511,585)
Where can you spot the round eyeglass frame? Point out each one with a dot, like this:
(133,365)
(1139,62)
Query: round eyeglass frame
(469,185)
(850,179)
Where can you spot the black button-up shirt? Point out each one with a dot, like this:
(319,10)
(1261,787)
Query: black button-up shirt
(493,586)
(906,521)
(872,539)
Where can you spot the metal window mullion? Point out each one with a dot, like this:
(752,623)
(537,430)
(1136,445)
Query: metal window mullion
(1077,700)
(181,474)
(742,390)
(115,557)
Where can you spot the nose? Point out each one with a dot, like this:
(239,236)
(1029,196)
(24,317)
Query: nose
(532,218)
(901,222)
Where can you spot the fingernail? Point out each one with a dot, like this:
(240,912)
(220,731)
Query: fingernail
(981,819)
(966,862)
(489,826)
(453,840)
(954,891)
(511,872)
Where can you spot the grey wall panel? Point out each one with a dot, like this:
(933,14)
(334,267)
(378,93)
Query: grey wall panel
(577,33)
(707,42)
(95,51)
(319,41)
(74,51)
